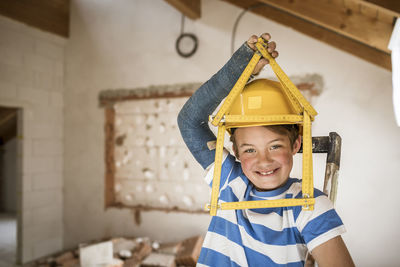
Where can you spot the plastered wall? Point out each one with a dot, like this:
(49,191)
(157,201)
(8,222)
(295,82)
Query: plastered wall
(130,44)
(31,79)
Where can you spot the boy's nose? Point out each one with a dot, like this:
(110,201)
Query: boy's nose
(264,158)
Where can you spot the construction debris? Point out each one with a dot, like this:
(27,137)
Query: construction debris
(127,252)
(100,254)
(189,251)
(159,260)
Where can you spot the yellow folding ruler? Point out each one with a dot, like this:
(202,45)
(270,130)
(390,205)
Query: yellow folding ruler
(305,114)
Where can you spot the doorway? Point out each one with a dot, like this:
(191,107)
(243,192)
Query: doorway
(8,185)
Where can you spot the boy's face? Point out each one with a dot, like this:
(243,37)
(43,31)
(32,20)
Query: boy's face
(266,157)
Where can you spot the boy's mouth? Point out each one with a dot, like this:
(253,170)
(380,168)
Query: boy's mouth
(267,173)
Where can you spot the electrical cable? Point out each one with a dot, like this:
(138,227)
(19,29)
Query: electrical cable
(181,37)
(237,22)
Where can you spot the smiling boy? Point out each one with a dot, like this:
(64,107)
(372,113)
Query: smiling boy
(264,159)
(266,156)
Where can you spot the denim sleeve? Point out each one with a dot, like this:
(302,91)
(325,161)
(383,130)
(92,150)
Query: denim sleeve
(193,117)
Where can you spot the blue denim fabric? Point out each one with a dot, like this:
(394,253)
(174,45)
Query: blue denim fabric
(193,117)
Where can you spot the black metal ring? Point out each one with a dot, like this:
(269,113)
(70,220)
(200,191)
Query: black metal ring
(180,38)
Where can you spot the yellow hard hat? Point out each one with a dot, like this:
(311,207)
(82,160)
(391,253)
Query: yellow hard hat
(261,102)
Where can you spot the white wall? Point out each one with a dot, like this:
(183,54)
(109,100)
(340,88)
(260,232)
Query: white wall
(31,78)
(130,43)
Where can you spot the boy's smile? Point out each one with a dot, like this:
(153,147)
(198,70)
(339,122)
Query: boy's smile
(266,157)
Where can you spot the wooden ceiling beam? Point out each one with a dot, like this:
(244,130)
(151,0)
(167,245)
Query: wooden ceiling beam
(48,15)
(359,20)
(393,5)
(190,8)
(313,29)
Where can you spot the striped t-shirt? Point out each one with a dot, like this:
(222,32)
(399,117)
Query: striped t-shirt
(267,236)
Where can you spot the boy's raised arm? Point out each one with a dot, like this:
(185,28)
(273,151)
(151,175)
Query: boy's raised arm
(193,117)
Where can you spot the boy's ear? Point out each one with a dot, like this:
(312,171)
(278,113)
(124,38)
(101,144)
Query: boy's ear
(235,150)
(297,145)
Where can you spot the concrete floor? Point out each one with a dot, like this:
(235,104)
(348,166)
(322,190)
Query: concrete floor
(8,239)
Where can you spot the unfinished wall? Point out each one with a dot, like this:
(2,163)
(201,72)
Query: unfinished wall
(116,45)
(31,78)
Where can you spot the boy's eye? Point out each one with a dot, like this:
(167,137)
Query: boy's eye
(250,150)
(274,147)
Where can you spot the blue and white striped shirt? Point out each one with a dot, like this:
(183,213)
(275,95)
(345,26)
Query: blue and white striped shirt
(268,236)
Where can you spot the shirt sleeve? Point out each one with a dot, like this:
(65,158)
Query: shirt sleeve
(321,224)
(193,117)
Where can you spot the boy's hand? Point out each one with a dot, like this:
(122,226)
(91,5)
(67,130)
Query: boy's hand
(271,49)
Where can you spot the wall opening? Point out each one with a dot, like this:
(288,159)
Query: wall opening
(8,185)
(147,164)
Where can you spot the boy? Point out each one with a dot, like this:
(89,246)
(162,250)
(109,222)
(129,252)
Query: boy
(268,236)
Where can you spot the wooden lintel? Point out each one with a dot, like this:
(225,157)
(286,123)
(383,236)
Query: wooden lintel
(190,8)
(340,41)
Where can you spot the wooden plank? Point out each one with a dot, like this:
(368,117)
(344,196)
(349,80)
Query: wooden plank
(48,15)
(190,8)
(327,36)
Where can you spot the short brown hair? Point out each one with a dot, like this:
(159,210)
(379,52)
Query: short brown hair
(290,130)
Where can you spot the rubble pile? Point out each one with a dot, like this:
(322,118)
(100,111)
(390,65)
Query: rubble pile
(127,252)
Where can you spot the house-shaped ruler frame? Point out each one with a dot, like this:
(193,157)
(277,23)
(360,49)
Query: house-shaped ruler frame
(305,115)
